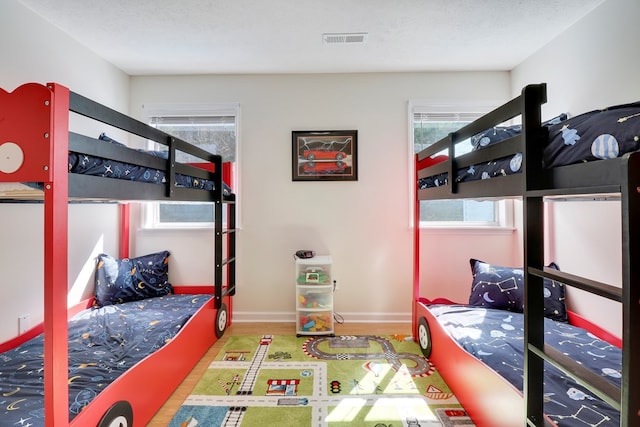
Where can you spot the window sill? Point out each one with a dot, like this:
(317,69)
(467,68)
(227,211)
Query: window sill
(465,230)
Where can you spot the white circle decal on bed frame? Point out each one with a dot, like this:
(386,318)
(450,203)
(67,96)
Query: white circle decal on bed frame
(11,157)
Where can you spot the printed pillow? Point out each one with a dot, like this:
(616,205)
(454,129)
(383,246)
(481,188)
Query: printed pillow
(131,279)
(104,137)
(503,288)
(555,306)
(500,133)
(494,135)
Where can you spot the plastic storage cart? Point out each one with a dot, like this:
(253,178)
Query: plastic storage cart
(314,296)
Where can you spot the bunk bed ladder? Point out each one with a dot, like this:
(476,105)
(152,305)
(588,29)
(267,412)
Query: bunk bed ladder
(626,399)
(225,248)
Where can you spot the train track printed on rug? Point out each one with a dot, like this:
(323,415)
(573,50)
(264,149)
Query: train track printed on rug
(377,381)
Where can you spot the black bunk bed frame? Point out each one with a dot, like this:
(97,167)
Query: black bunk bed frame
(36,117)
(619,176)
(91,187)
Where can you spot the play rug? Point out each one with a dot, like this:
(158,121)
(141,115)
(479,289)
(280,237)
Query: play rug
(377,381)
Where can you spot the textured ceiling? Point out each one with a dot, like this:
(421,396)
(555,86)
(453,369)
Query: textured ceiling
(152,37)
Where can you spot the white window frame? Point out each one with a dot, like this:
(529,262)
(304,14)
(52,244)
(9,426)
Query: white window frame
(150,211)
(504,207)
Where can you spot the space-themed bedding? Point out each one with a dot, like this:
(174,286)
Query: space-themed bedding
(595,135)
(496,337)
(107,168)
(103,343)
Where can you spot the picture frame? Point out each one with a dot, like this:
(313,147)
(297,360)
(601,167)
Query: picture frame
(324,155)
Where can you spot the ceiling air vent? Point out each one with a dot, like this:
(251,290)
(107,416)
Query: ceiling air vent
(338,38)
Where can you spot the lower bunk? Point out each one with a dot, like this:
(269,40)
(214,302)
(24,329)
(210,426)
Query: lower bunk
(480,353)
(125,360)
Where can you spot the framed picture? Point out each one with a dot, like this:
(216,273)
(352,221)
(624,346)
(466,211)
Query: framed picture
(330,155)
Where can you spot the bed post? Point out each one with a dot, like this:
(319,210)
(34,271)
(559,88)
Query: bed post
(124,230)
(532,98)
(630,399)
(416,251)
(56,393)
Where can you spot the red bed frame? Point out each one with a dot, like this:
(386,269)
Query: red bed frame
(489,399)
(35,118)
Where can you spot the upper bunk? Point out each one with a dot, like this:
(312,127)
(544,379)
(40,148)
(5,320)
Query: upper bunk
(36,145)
(533,156)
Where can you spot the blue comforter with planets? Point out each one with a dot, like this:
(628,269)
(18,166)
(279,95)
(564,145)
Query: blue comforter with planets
(496,337)
(103,343)
(595,135)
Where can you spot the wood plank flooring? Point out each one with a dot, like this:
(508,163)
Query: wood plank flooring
(164,415)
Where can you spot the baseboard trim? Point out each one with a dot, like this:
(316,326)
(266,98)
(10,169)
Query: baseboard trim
(351,317)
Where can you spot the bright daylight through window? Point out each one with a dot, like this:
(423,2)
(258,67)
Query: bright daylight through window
(430,124)
(214,131)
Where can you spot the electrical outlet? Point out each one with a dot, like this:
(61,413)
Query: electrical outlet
(24,323)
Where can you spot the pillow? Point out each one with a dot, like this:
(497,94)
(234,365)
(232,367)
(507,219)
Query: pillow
(131,279)
(500,133)
(104,137)
(503,288)
(555,306)
(494,135)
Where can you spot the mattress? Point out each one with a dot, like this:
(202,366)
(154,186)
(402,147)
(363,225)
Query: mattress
(103,343)
(496,337)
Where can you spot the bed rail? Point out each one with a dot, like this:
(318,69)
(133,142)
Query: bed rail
(528,106)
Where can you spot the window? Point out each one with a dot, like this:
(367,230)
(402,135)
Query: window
(429,124)
(212,128)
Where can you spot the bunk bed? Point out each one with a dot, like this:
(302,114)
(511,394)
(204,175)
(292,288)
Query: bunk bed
(443,328)
(38,149)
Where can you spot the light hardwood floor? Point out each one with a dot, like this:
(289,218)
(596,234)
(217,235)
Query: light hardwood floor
(164,415)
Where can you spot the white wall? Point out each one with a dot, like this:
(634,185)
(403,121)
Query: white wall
(592,65)
(33,50)
(364,225)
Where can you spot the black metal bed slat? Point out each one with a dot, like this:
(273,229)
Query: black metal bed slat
(570,192)
(94,110)
(593,382)
(592,286)
(505,186)
(83,144)
(99,188)
(506,148)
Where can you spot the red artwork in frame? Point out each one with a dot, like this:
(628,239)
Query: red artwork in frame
(324,155)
